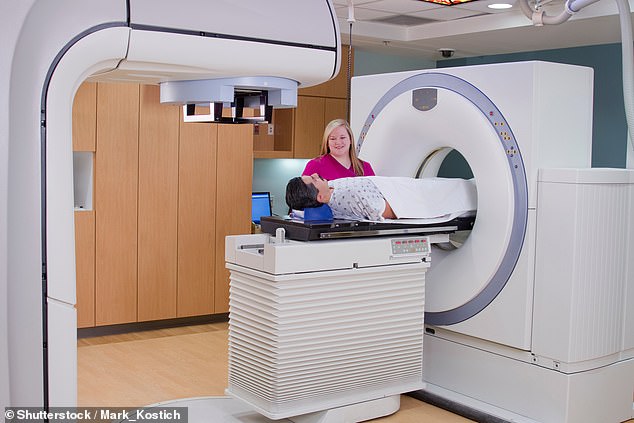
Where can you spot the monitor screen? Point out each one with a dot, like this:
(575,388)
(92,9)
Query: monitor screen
(260,206)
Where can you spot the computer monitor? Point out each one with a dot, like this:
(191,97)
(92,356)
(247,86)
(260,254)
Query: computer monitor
(260,206)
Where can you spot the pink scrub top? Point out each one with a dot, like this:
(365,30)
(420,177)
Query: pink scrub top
(329,168)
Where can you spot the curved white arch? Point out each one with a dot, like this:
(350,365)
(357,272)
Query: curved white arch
(96,52)
(44,39)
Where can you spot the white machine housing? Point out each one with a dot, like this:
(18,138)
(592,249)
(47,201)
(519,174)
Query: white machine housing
(49,49)
(501,119)
(319,327)
(506,321)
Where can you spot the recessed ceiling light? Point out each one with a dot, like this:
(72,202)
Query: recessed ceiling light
(499,6)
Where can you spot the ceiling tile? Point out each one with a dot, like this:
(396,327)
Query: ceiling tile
(361,13)
(404,20)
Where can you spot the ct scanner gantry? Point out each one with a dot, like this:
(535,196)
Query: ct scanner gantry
(532,318)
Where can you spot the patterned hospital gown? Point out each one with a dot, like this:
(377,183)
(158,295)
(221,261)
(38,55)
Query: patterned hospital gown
(356,199)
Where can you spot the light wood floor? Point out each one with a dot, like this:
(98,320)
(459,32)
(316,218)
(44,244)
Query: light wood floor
(143,368)
(147,367)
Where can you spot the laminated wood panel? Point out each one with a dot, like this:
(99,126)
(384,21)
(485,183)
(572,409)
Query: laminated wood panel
(233,198)
(116,185)
(197,218)
(309,127)
(85,117)
(334,108)
(85,274)
(158,206)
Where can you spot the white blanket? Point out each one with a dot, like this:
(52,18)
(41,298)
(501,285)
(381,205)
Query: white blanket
(439,199)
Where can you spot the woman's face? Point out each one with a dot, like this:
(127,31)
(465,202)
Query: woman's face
(339,142)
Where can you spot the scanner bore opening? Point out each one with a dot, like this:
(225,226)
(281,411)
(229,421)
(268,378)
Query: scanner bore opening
(447,162)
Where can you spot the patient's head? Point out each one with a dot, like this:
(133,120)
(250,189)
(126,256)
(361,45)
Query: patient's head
(300,195)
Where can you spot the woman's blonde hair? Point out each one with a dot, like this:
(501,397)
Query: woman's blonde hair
(357,165)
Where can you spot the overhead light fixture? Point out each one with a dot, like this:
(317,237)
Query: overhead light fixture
(447,2)
(500,6)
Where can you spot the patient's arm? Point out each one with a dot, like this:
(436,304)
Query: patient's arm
(388,213)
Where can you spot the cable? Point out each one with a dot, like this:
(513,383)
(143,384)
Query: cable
(349,74)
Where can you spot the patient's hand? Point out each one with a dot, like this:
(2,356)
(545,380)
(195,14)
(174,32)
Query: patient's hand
(388,213)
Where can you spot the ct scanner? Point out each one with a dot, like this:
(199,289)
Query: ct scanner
(522,321)
(514,326)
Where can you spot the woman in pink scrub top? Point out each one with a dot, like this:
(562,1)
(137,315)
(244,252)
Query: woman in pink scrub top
(338,156)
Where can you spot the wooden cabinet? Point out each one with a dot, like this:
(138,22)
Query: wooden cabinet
(303,128)
(233,198)
(115,200)
(85,117)
(85,273)
(334,108)
(158,206)
(196,218)
(215,180)
(166,195)
(309,126)
(299,131)
(311,117)
(84,140)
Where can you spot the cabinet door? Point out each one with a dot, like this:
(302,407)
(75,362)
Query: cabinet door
(85,259)
(284,129)
(84,136)
(116,183)
(335,108)
(233,198)
(309,127)
(158,203)
(85,117)
(197,219)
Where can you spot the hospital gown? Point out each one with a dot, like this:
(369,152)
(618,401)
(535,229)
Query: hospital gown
(356,199)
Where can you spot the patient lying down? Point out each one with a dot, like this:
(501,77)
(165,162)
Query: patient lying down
(381,197)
